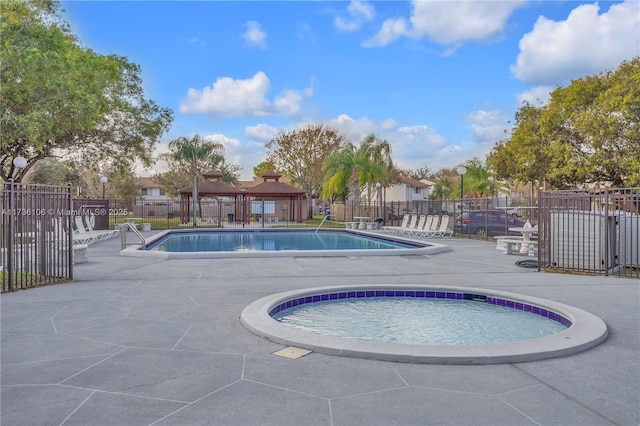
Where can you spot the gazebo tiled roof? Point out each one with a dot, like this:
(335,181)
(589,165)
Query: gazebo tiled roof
(272,187)
(269,189)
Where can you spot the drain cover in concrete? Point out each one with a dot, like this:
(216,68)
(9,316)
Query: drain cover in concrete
(292,352)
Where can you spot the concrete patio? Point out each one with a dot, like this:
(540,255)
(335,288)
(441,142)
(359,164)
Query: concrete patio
(136,341)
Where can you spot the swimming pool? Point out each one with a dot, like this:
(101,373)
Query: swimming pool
(583,330)
(419,320)
(278,243)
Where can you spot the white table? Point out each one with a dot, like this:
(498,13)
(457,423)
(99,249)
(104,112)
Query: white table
(526,237)
(361,219)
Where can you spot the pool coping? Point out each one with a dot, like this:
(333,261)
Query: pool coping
(427,248)
(586,331)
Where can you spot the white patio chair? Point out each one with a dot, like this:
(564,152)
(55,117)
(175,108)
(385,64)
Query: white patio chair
(429,228)
(403,225)
(101,235)
(419,226)
(411,227)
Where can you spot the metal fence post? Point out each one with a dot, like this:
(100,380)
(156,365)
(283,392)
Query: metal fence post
(69,198)
(12,216)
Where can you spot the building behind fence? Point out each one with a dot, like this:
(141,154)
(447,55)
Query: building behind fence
(35,242)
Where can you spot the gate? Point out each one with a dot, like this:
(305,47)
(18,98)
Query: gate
(590,231)
(35,239)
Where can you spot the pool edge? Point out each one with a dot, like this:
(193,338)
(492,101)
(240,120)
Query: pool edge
(428,248)
(587,331)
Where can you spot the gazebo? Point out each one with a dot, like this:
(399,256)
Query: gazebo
(211,187)
(271,189)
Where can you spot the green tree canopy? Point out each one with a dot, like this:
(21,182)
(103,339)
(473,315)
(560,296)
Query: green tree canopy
(263,168)
(589,132)
(477,179)
(52,171)
(60,99)
(353,169)
(445,186)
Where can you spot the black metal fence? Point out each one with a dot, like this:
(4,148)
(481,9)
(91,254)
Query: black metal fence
(593,232)
(169,214)
(211,213)
(35,242)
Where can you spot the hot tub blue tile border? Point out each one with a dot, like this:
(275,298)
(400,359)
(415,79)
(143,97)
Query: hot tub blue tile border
(481,298)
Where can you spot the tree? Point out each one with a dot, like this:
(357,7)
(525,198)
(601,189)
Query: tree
(173,180)
(59,99)
(524,157)
(264,168)
(444,187)
(353,169)
(123,183)
(188,159)
(300,155)
(588,133)
(423,172)
(52,171)
(477,179)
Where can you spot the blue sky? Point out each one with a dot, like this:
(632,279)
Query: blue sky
(439,80)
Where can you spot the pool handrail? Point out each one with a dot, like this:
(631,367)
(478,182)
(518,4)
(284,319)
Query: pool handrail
(123,235)
(323,220)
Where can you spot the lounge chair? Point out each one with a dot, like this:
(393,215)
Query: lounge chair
(403,225)
(428,224)
(88,237)
(419,226)
(442,230)
(90,221)
(59,234)
(430,227)
(411,227)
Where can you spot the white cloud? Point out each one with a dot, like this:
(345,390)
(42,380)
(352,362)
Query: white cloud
(448,22)
(586,43)
(261,132)
(305,33)
(460,21)
(243,98)
(196,40)
(537,95)
(247,154)
(359,12)
(228,143)
(230,97)
(354,130)
(254,36)
(488,127)
(361,9)
(345,26)
(412,146)
(392,29)
(290,101)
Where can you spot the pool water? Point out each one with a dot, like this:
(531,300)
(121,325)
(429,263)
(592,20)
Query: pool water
(422,321)
(272,241)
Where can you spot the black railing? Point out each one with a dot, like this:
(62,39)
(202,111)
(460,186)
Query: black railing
(35,242)
(593,232)
(170,214)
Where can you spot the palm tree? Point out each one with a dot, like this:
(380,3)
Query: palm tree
(478,180)
(443,189)
(199,156)
(354,168)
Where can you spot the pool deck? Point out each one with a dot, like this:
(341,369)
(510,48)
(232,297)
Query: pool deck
(144,341)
